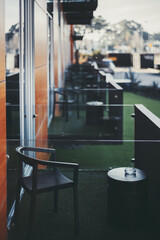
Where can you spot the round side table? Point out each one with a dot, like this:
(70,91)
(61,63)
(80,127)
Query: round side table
(127,197)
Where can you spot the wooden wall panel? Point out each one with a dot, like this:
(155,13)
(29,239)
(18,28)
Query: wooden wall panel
(41,129)
(3,226)
(62,48)
(42,140)
(40,37)
(40,95)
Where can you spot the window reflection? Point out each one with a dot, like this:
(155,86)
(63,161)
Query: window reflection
(12,36)
(12,93)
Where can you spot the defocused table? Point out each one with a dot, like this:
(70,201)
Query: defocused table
(127,197)
(94,112)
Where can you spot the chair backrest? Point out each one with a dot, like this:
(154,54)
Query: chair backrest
(26,154)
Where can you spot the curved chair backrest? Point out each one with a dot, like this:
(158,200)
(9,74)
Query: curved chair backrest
(31,159)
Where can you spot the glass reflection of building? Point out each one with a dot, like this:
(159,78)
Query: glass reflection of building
(12,37)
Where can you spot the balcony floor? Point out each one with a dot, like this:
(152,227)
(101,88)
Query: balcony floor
(59,226)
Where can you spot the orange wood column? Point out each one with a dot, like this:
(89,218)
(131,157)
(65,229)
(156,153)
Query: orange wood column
(3,187)
(62,53)
(41,47)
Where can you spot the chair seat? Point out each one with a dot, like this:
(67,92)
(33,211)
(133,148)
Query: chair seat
(48,181)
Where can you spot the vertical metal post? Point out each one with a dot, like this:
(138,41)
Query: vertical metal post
(29,73)
(21,66)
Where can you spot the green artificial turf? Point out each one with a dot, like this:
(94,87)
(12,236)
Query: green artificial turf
(92,185)
(108,155)
(151,104)
(98,156)
(89,156)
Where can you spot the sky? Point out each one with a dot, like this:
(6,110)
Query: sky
(11,13)
(146,12)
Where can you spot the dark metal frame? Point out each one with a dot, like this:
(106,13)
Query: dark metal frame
(147,158)
(77,6)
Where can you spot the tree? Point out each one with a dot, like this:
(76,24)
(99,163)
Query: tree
(98,23)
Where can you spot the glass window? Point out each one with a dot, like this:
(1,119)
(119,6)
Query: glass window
(50,84)
(12,36)
(12,93)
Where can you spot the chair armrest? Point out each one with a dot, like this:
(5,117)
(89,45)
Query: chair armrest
(74,166)
(62,94)
(56,164)
(35,162)
(37,149)
(59,92)
(72,91)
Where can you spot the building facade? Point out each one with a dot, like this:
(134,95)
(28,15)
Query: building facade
(41,42)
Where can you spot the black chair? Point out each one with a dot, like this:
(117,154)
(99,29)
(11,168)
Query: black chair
(65,100)
(51,180)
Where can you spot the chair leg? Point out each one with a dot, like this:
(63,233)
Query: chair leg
(63,110)
(77,110)
(76,212)
(31,215)
(66,109)
(15,216)
(56,200)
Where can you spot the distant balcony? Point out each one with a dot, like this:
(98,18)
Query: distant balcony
(96,113)
(77,37)
(50,6)
(79,17)
(79,5)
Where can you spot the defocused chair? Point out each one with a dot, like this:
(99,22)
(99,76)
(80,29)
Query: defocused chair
(65,100)
(51,180)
